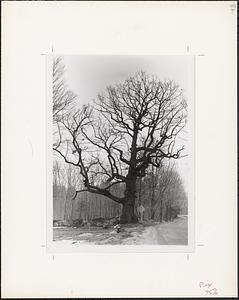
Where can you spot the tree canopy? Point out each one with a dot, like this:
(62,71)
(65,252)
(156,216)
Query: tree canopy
(129,127)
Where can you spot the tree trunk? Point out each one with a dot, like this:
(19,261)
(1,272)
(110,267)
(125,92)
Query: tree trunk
(140,190)
(153,187)
(161,211)
(128,214)
(153,205)
(167,213)
(152,213)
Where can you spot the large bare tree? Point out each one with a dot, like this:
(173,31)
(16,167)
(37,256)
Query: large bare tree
(130,127)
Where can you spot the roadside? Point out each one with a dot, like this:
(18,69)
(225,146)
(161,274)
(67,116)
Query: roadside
(143,233)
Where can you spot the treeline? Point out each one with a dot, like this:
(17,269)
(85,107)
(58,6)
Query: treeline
(160,192)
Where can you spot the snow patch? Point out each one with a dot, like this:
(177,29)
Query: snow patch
(85,234)
(65,243)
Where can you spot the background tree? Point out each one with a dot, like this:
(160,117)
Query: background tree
(59,191)
(168,182)
(63,97)
(170,198)
(132,126)
(174,195)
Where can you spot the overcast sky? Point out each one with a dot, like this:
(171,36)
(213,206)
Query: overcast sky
(88,75)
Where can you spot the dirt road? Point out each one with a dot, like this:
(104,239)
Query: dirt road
(172,233)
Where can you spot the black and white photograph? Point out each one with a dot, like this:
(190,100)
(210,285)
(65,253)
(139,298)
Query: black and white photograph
(122,155)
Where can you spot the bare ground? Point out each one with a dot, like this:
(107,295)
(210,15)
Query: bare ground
(144,233)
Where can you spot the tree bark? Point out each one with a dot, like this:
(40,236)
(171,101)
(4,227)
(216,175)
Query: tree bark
(153,204)
(140,190)
(161,210)
(128,214)
(152,213)
(167,213)
(153,187)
